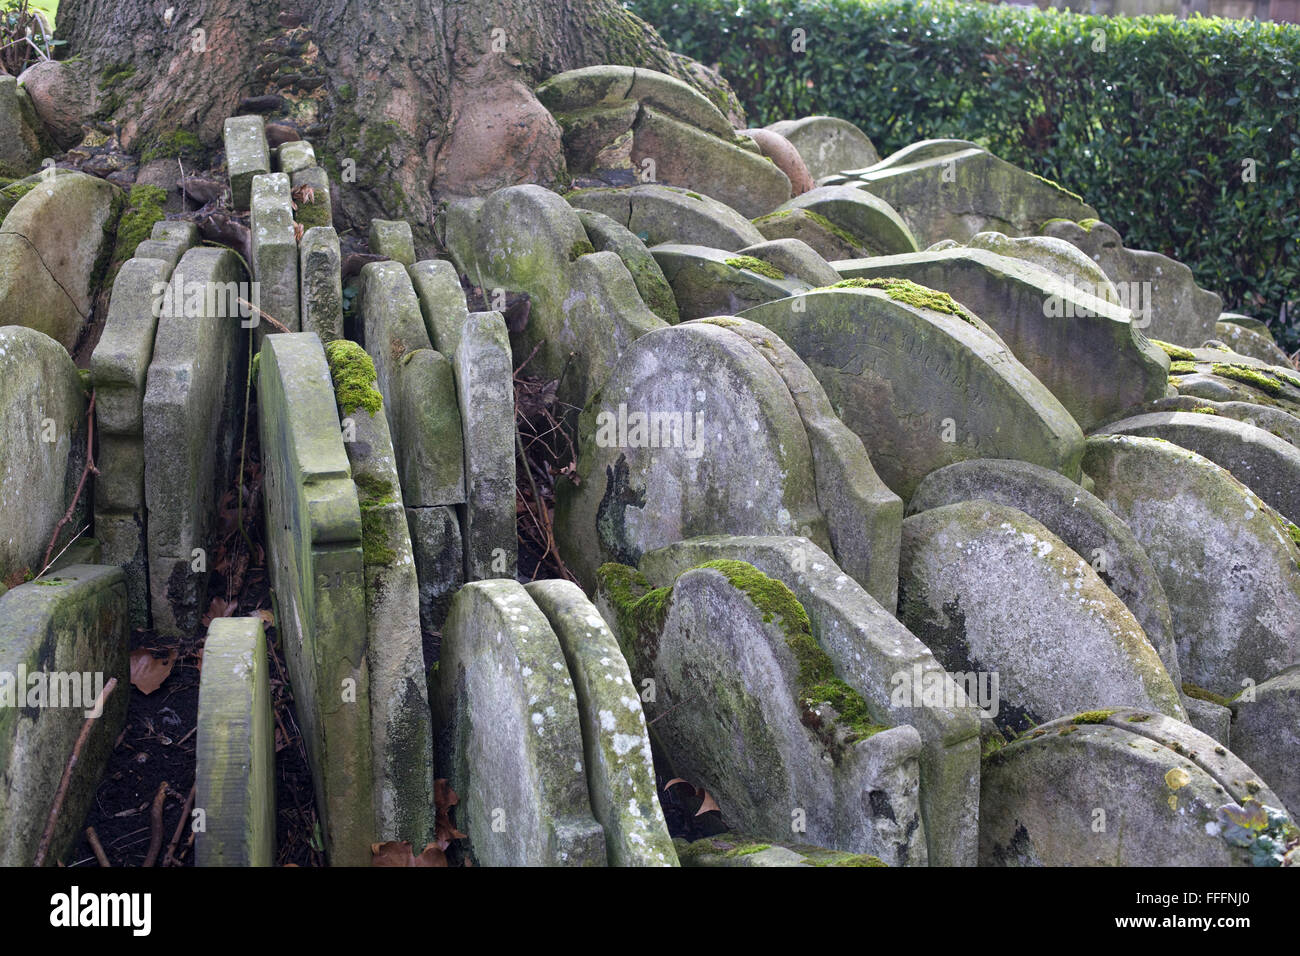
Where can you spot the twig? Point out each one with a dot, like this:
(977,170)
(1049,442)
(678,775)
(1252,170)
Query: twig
(170,858)
(279,326)
(59,795)
(156,825)
(86,472)
(93,839)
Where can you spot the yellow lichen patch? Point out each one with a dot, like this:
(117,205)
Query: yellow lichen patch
(1177,778)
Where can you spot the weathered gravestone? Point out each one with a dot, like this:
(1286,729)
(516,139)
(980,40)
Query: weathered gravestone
(1085,350)
(715,282)
(321,290)
(53,247)
(234,778)
(1262,462)
(43,452)
(852,216)
(193,390)
(62,638)
(23,139)
(1079,519)
(748,705)
(314,553)
(658,214)
(1225,558)
(1266,733)
(795,258)
(294,156)
(393,238)
(274,247)
(401,730)
(509,737)
(1114,787)
(697,432)
(991,590)
(1276,422)
(1063,260)
(917,378)
(606,235)
(897,676)
(1249,341)
(247,156)
(827,144)
(616,748)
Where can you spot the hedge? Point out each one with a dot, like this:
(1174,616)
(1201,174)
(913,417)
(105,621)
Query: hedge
(1158,123)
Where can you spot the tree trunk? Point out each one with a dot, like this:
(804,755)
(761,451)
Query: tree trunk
(406,103)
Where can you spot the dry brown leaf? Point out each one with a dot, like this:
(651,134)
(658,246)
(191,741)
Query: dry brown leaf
(398,853)
(219,608)
(148,672)
(444,798)
(267,617)
(708,805)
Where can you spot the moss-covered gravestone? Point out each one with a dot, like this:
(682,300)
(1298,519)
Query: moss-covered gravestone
(854,216)
(274,251)
(748,706)
(235,748)
(606,235)
(708,281)
(1122,787)
(658,214)
(321,293)
(315,558)
(247,155)
(1266,733)
(509,737)
(991,590)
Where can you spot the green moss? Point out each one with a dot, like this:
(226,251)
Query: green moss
(1205,410)
(1139,718)
(169,145)
(144,208)
(580,248)
(755,265)
(14,191)
(1293,532)
(1093,717)
(909,293)
(1182,368)
(1286,377)
(750,849)
(374,538)
(1175,351)
(1059,187)
(696,196)
(854,859)
(1087,224)
(1200,693)
(353,372)
(1248,376)
(314,213)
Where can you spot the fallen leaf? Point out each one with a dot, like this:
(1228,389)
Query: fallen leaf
(708,805)
(148,672)
(444,798)
(219,608)
(267,617)
(398,853)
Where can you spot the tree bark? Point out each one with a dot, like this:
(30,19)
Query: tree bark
(417,100)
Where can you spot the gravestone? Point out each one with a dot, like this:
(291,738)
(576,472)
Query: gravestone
(656,214)
(193,392)
(867,221)
(1226,559)
(321,292)
(714,282)
(1264,463)
(827,144)
(1266,733)
(795,258)
(274,250)
(247,156)
(738,850)
(234,779)
(294,156)
(1064,260)
(1086,351)
(439,555)
(23,139)
(311,192)
(1079,519)
(393,239)
(919,381)
(606,235)
(1276,422)
(989,589)
(616,748)
(43,452)
(1249,341)
(1113,787)
(509,736)
(748,706)
(315,558)
(62,638)
(896,674)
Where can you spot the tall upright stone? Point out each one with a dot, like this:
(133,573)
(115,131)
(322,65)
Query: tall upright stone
(315,557)
(321,292)
(274,250)
(247,155)
(827,144)
(234,777)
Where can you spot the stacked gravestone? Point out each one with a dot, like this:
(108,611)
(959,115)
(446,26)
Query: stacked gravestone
(400,725)
(827,144)
(274,250)
(840,222)
(247,156)
(1266,733)
(119,368)
(897,675)
(234,780)
(1250,340)
(708,281)
(658,214)
(315,556)
(748,705)
(62,638)
(606,235)
(320,287)
(190,413)
(43,454)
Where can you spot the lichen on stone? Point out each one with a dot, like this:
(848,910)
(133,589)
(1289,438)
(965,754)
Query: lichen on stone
(1092,717)
(1174,351)
(1182,368)
(1248,376)
(353,372)
(754,264)
(909,293)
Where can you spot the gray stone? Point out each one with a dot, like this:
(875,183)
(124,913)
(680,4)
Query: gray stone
(42,398)
(123,542)
(247,155)
(442,302)
(1272,420)
(1159,783)
(1225,558)
(1245,321)
(796,259)
(23,139)
(714,282)
(1064,260)
(393,238)
(315,204)
(194,385)
(63,94)
(509,736)
(868,221)
(947,190)
(616,748)
(295,155)
(120,362)
(53,244)
(880,659)
(321,284)
(1085,350)
(439,561)
(234,780)
(608,86)
(989,589)
(1264,463)
(314,554)
(746,705)
(1213,720)
(1249,341)
(827,144)
(738,850)
(1266,732)
(658,214)
(1079,519)
(274,250)
(1160,291)
(922,387)
(606,235)
(72,630)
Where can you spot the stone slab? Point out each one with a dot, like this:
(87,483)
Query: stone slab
(274,250)
(247,155)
